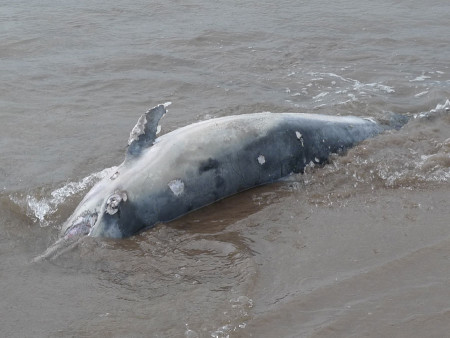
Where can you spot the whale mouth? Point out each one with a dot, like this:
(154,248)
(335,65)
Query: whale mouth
(82,226)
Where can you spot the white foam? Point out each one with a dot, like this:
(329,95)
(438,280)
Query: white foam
(358,86)
(440,108)
(421,94)
(320,106)
(319,96)
(40,208)
(338,85)
(191,334)
(420,78)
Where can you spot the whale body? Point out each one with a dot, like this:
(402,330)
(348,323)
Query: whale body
(166,177)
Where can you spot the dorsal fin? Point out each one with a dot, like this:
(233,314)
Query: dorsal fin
(144,132)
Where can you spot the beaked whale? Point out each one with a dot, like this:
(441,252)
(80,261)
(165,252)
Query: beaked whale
(166,177)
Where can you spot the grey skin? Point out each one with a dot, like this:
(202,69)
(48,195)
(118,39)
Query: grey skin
(164,178)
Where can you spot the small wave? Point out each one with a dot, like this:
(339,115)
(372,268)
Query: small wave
(404,169)
(416,156)
(241,306)
(440,109)
(357,85)
(328,88)
(40,208)
(319,96)
(420,78)
(426,169)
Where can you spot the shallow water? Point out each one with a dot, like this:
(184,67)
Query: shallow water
(356,248)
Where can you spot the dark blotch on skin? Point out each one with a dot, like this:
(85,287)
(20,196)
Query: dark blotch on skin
(207,165)
(220,182)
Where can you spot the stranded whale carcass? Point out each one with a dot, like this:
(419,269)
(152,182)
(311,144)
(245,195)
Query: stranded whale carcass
(166,177)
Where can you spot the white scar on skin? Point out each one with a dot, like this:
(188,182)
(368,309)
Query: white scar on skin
(261,159)
(114,176)
(299,136)
(177,187)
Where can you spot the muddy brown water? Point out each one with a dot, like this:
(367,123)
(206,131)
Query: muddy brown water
(359,247)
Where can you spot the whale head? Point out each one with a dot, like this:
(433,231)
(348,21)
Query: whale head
(106,210)
(103,199)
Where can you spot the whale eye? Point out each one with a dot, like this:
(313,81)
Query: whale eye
(112,204)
